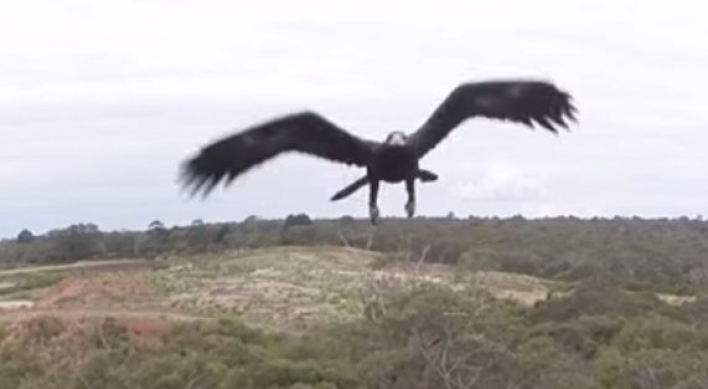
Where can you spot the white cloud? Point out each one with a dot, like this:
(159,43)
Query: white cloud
(100,100)
(504,183)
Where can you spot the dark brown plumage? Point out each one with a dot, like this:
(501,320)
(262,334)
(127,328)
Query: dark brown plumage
(527,102)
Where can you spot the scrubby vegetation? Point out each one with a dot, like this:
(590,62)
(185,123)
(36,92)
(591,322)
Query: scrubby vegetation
(604,326)
(665,253)
(428,338)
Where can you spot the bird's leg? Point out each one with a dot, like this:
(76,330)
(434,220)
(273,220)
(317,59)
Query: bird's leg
(373,195)
(410,204)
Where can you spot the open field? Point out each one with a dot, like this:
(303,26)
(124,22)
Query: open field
(283,288)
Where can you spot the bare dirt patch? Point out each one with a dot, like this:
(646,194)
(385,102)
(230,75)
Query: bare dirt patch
(98,291)
(146,326)
(674,299)
(10,305)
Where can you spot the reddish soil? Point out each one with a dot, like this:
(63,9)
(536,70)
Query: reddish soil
(77,302)
(91,291)
(146,326)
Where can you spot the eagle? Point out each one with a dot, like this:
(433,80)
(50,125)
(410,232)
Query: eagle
(397,158)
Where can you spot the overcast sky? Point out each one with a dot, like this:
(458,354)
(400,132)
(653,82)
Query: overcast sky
(101,100)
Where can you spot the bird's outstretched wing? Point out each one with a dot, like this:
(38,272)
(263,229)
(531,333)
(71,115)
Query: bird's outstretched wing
(521,101)
(305,132)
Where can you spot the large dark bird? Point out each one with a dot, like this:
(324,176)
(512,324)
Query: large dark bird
(396,159)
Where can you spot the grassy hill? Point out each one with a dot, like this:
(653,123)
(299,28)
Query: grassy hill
(325,316)
(282,288)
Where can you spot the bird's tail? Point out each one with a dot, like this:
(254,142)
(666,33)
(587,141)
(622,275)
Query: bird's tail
(353,187)
(427,176)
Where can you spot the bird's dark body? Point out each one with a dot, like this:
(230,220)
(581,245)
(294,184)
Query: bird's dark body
(393,164)
(394,160)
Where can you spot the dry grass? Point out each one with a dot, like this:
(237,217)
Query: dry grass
(287,288)
(291,287)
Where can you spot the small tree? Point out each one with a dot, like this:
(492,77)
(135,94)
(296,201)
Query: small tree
(25,236)
(300,219)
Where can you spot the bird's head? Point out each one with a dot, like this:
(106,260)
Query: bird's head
(396,138)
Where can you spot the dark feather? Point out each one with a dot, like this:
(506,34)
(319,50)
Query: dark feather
(521,101)
(305,132)
(427,176)
(350,189)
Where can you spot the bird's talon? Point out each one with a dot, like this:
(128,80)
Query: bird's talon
(410,208)
(374,214)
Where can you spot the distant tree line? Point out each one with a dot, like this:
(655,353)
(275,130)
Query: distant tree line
(636,251)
